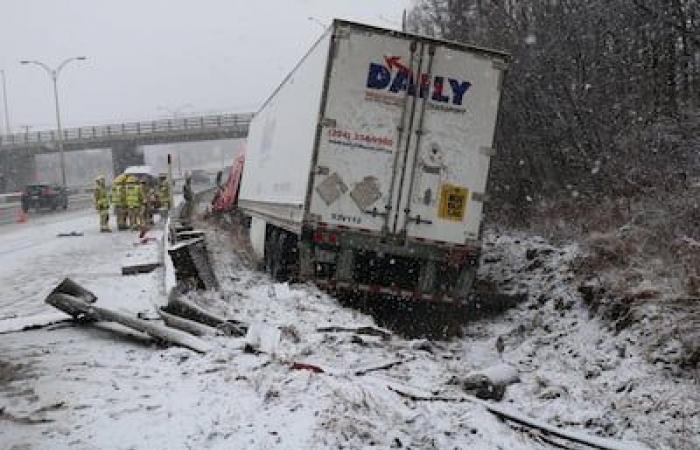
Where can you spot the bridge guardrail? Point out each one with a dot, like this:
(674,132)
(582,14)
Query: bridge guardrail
(151,127)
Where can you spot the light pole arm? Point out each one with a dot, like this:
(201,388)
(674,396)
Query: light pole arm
(65,63)
(48,69)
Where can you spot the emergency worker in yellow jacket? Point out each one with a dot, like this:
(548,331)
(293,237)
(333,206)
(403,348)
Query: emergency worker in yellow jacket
(133,202)
(146,211)
(119,201)
(102,203)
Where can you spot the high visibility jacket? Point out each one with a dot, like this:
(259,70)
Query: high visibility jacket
(133,195)
(119,195)
(164,193)
(145,194)
(101,197)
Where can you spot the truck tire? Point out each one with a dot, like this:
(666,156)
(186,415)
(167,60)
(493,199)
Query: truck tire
(273,253)
(279,257)
(465,281)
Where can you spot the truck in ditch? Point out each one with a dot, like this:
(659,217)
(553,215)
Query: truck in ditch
(366,169)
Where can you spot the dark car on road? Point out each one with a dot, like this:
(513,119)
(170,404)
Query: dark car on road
(44,196)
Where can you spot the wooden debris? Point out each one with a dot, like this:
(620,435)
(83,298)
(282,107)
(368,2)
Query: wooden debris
(387,366)
(367,331)
(187,325)
(87,312)
(71,234)
(513,416)
(26,420)
(179,306)
(139,268)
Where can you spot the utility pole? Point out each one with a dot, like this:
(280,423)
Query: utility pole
(54,73)
(4,96)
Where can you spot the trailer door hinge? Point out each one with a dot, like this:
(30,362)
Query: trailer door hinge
(419,220)
(322,170)
(374,213)
(326,122)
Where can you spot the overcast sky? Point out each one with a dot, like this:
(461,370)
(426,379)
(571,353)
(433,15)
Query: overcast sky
(150,56)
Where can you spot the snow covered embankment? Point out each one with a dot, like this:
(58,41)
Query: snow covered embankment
(570,366)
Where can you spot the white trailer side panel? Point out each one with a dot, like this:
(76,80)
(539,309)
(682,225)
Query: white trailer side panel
(281,139)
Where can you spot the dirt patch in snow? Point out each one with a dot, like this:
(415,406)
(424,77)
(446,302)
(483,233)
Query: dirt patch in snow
(11,372)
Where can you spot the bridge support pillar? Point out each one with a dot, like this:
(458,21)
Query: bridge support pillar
(125,154)
(17,169)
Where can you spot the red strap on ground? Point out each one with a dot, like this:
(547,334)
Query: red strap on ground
(305,366)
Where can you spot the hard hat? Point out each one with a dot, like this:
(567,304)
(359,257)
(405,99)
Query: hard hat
(100,178)
(120,179)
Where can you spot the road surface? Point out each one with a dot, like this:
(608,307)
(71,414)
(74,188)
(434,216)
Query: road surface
(34,259)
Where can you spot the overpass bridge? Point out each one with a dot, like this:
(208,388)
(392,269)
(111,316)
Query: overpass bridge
(17,151)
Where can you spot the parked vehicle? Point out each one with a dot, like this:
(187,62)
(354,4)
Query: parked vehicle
(143,173)
(367,168)
(200,177)
(44,196)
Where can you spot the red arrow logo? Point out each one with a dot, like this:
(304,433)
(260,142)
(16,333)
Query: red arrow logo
(395,62)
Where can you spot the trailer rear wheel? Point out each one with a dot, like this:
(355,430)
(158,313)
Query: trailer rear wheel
(278,265)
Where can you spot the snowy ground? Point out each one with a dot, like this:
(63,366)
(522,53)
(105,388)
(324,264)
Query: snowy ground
(85,387)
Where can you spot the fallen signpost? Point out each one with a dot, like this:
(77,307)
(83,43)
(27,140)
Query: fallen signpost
(190,326)
(88,312)
(179,306)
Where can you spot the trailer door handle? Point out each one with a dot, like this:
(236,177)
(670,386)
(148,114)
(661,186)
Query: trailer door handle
(418,220)
(374,213)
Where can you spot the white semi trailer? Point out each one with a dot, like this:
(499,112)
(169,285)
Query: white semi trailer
(366,169)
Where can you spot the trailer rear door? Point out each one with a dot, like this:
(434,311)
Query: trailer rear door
(406,134)
(447,160)
(365,124)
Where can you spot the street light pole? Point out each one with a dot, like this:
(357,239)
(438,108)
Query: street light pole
(59,130)
(4,96)
(54,73)
(176,114)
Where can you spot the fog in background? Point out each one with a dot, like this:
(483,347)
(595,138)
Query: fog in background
(157,59)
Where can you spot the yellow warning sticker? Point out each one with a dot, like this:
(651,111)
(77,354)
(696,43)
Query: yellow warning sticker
(453,202)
